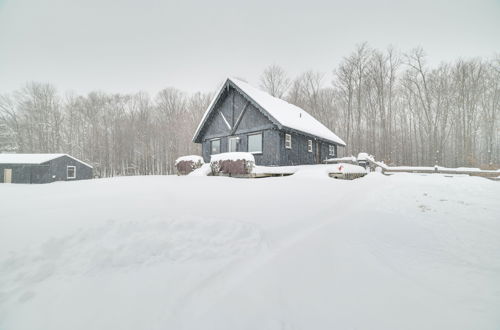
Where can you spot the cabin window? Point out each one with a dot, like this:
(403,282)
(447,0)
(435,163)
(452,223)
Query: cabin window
(255,143)
(331,150)
(309,145)
(288,141)
(215,147)
(71,172)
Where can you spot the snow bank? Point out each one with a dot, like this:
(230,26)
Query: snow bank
(321,170)
(382,252)
(366,157)
(204,170)
(436,168)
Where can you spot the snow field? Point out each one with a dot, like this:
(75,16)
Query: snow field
(406,251)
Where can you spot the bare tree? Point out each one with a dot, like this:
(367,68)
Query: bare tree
(275,81)
(395,107)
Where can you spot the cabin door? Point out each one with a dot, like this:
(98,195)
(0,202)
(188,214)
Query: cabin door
(318,152)
(233,144)
(7,175)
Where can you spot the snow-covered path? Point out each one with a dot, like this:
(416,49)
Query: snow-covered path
(400,252)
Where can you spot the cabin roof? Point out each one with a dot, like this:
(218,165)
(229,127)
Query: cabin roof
(32,159)
(282,113)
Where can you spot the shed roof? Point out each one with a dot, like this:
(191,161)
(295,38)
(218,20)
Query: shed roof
(282,113)
(33,159)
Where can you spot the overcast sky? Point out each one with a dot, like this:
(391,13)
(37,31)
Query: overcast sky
(127,46)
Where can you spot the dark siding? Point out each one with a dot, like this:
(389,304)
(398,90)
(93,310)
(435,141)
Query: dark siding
(252,121)
(298,154)
(26,173)
(215,126)
(54,170)
(40,174)
(270,147)
(58,169)
(20,173)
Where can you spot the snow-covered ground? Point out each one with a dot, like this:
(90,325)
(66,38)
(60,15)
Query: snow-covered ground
(316,169)
(406,251)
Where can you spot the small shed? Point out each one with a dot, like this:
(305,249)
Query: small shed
(42,168)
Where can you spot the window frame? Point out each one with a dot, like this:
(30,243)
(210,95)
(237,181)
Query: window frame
(288,141)
(211,148)
(261,143)
(309,145)
(67,172)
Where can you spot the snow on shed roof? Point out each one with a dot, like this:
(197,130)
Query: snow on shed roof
(283,113)
(32,158)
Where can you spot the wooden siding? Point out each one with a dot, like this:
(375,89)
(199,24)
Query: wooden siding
(252,119)
(53,170)
(299,154)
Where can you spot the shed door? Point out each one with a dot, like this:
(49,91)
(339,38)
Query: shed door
(7,175)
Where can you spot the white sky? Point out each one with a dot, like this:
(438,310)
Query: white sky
(128,46)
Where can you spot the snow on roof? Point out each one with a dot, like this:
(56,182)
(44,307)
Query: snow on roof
(288,114)
(32,158)
(284,113)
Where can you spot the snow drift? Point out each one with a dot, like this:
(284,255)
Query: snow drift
(300,252)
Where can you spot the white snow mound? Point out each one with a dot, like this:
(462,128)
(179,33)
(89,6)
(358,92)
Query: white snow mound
(406,251)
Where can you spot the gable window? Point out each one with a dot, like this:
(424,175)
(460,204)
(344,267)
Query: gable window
(215,147)
(288,141)
(71,172)
(255,143)
(331,150)
(309,145)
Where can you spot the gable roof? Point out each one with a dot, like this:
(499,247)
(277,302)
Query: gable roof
(33,159)
(280,112)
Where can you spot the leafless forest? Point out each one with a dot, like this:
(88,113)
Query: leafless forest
(391,104)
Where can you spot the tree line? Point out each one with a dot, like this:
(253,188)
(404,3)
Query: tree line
(117,134)
(390,104)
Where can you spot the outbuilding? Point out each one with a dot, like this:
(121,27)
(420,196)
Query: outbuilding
(242,118)
(42,168)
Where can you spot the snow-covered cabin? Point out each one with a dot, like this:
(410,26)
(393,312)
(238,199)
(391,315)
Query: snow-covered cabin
(242,118)
(42,168)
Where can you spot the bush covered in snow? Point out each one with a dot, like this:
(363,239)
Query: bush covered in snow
(232,163)
(186,164)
